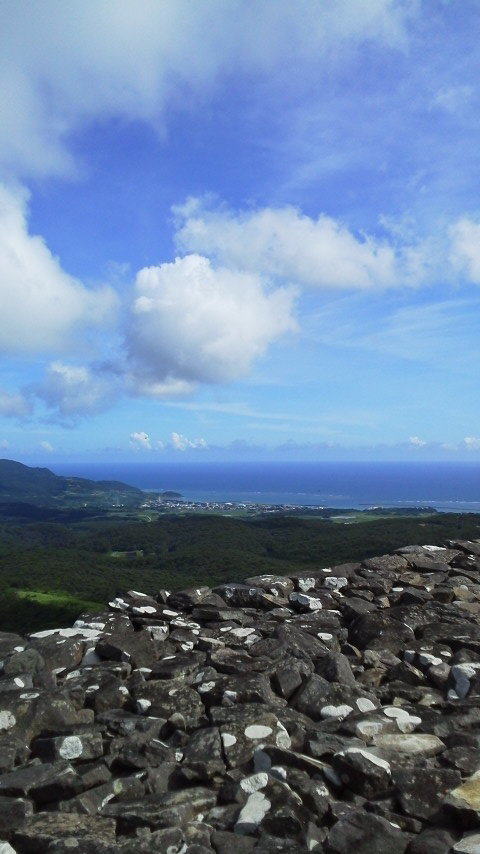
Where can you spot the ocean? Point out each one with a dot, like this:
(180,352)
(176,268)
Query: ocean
(446,486)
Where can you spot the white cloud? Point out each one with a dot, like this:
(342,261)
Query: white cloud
(75,389)
(4,444)
(417,442)
(170,387)
(285,243)
(42,307)
(140,440)
(64,64)
(471,443)
(191,322)
(181,443)
(14,405)
(47,446)
(465,247)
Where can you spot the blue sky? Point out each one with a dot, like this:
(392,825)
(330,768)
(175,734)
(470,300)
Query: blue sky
(239,229)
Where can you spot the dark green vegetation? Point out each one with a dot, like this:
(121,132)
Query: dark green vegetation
(51,571)
(28,491)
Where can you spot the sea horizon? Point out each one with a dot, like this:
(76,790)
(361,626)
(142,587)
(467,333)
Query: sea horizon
(444,486)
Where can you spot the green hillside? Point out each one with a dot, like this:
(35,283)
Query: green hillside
(40,487)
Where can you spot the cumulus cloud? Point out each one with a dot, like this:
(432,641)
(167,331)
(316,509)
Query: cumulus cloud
(140,440)
(76,389)
(181,443)
(285,243)
(63,64)
(465,252)
(14,405)
(417,442)
(42,306)
(193,322)
(47,446)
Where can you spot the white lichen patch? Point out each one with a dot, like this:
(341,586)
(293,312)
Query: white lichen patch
(118,604)
(395,712)
(376,760)
(242,632)
(71,747)
(368,729)
(143,706)
(337,712)
(365,705)
(335,583)
(282,738)
(144,609)
(310,602)
(254,783)
(407,725)
(279,772)
(205,687)
(228,740)
(306,584)
(426,659)
(7,720)
(258,731)
(252,813)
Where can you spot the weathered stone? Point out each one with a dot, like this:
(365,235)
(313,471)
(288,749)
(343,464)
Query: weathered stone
(432,841)
(14,812)
(226,842)
(364,833)
(85,745)
(138,649)
(464,801)
(414,744)
(44,828)
(252,725)
(468,844)
(42,782)
(421,791)
(362,772)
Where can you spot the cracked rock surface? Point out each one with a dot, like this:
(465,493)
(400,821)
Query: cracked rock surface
(333,712)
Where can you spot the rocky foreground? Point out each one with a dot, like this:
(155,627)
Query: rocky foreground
(336,711)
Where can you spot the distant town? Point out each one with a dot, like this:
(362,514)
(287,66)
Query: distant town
(168,502)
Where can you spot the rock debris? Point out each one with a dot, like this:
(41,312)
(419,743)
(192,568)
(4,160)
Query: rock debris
(336,711)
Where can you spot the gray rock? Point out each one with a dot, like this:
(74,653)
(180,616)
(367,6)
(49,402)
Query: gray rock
(365,834)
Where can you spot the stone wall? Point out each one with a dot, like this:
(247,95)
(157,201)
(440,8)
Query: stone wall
(336,711)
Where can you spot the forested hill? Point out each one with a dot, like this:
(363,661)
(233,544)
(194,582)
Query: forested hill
(41,487)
